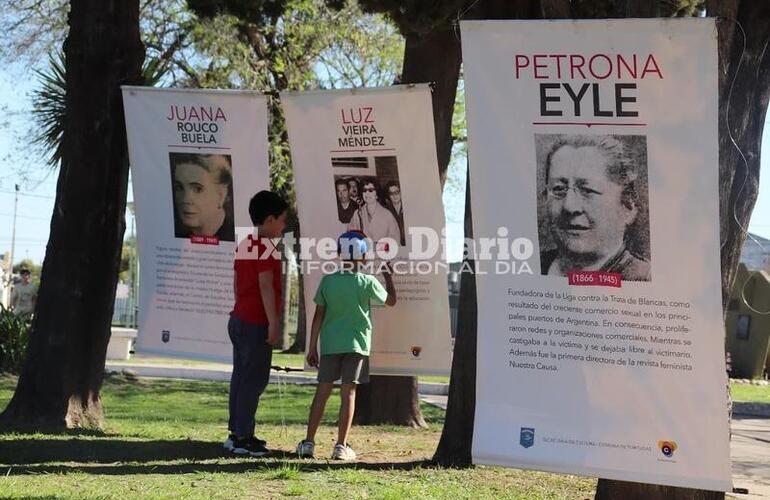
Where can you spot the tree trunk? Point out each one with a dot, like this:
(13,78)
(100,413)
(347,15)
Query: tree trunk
(613,490)
(738,179)
(454,448)
(388,399)
(61,378)
(422,66)
(286,282)
(301,336)
(738,190)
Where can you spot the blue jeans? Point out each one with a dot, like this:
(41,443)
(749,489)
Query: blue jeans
(252,356)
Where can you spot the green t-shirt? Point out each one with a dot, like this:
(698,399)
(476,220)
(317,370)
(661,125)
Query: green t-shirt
(347,324)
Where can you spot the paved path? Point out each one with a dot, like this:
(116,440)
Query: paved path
(750,451)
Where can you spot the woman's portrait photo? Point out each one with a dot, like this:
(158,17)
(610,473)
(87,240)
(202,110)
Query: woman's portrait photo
(373,217)
(202,188)
(593,208)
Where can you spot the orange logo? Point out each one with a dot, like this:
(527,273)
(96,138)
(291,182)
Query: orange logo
(667,448)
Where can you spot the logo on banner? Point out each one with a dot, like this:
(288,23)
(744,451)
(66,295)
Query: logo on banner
(667,448)
(165,336)
(527,437)
(416,350)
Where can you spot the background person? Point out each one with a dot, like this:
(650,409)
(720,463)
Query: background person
(345,206)
(355,191)
(203,196)
(343,322)
(591,200)
(23,294)
(396,207)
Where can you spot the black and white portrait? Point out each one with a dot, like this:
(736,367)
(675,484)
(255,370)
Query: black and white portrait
(202,190)
(368,195)
(593,209)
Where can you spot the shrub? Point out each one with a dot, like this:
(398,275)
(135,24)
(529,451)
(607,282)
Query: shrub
(14,332)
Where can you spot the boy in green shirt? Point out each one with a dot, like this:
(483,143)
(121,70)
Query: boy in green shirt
(343,321)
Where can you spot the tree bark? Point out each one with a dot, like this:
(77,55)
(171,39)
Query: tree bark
(61,378)
(738,186)
(301,335)
(422,66)
(454,448)
(387,399)
(746,101)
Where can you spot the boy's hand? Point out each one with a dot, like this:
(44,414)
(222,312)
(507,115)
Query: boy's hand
(312,357)
(273,334)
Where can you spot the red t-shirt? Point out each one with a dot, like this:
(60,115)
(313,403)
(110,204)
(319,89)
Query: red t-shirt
(250,260)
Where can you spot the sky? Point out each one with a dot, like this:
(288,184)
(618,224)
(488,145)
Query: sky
(37,182)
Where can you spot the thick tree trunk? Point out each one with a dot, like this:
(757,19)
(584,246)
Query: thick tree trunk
(60,381)
(389,399)
(738,190)
(745,96)
(614,490)
(454,448)
(746,101)
(422,66)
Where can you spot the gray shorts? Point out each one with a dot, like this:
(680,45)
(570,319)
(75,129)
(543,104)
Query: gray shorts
(348,367)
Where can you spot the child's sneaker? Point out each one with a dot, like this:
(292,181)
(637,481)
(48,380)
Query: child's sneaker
(305,449)
(343,452)
(251,446)
(228,444)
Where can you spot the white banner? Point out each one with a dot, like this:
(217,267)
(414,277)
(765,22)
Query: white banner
(600,342)
(197,157)
(366,159)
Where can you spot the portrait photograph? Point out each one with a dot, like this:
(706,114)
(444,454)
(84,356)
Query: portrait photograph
(368,195)
(593,204)
(202,193)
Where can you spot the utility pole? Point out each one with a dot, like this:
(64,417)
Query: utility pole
(13,232)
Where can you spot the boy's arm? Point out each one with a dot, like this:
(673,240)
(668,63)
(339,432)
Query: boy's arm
(391,300)
(315,332)
(268,301)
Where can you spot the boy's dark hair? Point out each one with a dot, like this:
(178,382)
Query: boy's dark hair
(266,203)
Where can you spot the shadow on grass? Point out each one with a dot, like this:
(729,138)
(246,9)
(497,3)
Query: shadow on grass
(10,429)
(276,462)
(40,451)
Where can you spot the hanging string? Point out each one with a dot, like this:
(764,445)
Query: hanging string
(460,14)
(280,404)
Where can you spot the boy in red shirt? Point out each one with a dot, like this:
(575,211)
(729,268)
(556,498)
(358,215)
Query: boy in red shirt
(254,326)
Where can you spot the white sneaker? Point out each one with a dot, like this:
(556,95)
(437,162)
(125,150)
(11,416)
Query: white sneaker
(343,452)
(228,444)
(305,449)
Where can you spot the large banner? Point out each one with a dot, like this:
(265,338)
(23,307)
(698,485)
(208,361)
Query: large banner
(365,159)
(197,157)
(593,153)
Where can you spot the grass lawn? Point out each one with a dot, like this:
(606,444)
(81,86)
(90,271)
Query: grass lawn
(163,439)
(752,393)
